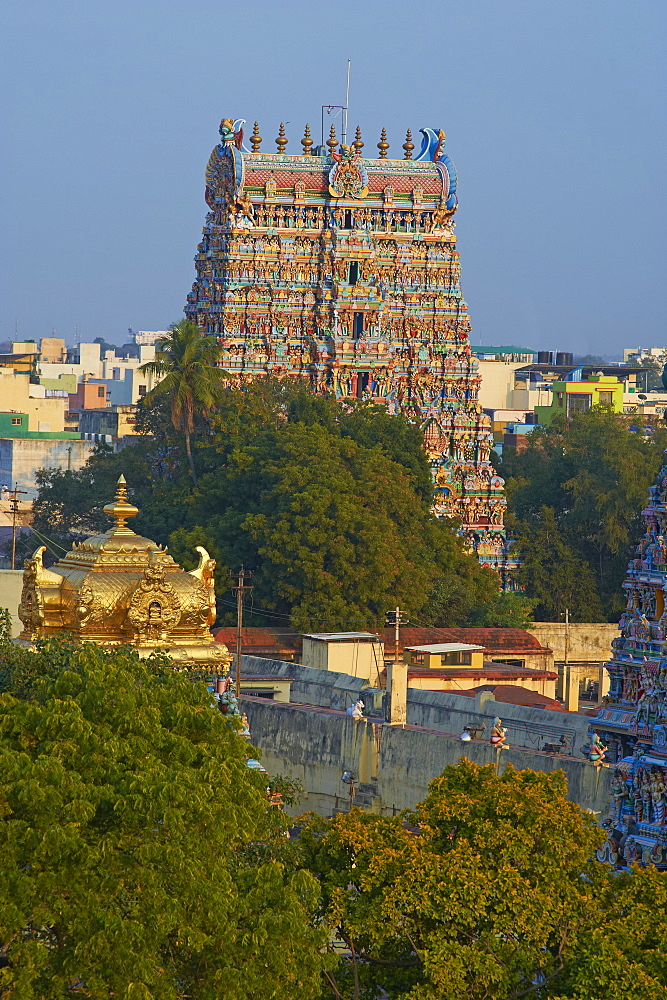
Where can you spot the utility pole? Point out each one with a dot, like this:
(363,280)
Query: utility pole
(240,589)
(397,676)
(14,507)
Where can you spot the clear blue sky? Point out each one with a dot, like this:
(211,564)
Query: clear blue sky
(554,114)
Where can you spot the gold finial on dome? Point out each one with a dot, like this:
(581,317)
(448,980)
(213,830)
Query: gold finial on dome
(383,145)
(307,142)
(255,138)
(408,145)
(121,509)
(358,142)
(281,141)
(332,141)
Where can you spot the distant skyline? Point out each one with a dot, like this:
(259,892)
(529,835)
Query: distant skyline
(554,114)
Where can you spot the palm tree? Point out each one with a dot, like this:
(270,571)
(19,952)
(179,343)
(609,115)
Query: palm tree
(187,363)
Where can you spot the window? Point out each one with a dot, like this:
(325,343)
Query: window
(418,658)
(142,390)
(353,276)
(458,658)
(348,219)
(17,420)
(101,390)
(579,402)
(559,398)
(606,398)
(358,327)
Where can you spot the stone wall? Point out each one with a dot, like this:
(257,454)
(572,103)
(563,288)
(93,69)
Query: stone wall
(20,458)
(392,766)
(313,740)
(587,643)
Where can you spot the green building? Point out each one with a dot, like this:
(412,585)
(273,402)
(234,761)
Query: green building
(568,398)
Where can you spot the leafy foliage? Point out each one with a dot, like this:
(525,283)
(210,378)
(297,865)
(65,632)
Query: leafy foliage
(485,892)
(128,813)
(328,507)
(592,473)
(191,380)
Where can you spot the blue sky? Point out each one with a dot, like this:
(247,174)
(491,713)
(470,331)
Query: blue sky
(554,114)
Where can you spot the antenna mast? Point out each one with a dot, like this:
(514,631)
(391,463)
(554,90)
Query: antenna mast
(347,103)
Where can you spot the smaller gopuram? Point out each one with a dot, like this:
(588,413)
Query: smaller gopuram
(123,589)
(632,724)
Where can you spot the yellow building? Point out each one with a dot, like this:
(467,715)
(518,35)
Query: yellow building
(359,654)
(460,666)
(18,394)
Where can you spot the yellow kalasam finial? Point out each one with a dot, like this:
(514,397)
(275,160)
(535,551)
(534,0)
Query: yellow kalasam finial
(121,509)
(255,138)
(383,145)
(358,141)
(408,145)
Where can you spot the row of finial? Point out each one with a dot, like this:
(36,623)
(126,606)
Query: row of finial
(332,141)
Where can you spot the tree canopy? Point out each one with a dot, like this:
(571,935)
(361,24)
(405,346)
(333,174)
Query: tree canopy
(329,508)
(190,379)
(486,891)
(127,844)
(575,497)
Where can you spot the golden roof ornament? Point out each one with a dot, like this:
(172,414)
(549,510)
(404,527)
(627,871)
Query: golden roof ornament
(383,145)
(255,138)
(307,142)
(281,141)
(332,141)
(120,588)
(358,142)
(121,509)
(408,145)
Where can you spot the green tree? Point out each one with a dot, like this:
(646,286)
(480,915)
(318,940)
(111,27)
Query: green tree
(486,891)
(554,575)
(187,363)
(333,531)
(70,505)
(655,366)
(329,507)
(593,471)
(129,841)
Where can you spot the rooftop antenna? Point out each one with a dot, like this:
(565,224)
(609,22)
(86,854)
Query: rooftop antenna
(343,108)
(347,103)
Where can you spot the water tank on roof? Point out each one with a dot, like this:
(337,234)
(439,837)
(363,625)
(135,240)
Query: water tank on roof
(545,357)
(565,358)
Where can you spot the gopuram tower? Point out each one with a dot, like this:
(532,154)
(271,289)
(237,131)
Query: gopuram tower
(342,269)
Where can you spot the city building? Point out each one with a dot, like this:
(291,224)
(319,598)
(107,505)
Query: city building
(520,355)
(147,338)
(633,355)
(461,666)
(342,269)
(116,376)
(579,395)
(359,654)
(113,423)
(632,723)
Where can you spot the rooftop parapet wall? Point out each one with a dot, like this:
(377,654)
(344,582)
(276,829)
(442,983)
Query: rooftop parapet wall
(587,643)
(529,728)
(392,766)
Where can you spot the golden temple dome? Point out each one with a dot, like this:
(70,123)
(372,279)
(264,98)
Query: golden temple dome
(121,588)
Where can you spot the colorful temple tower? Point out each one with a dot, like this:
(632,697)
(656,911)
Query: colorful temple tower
(343,269)
(633,720)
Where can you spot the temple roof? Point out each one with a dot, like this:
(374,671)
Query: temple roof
(121,588)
